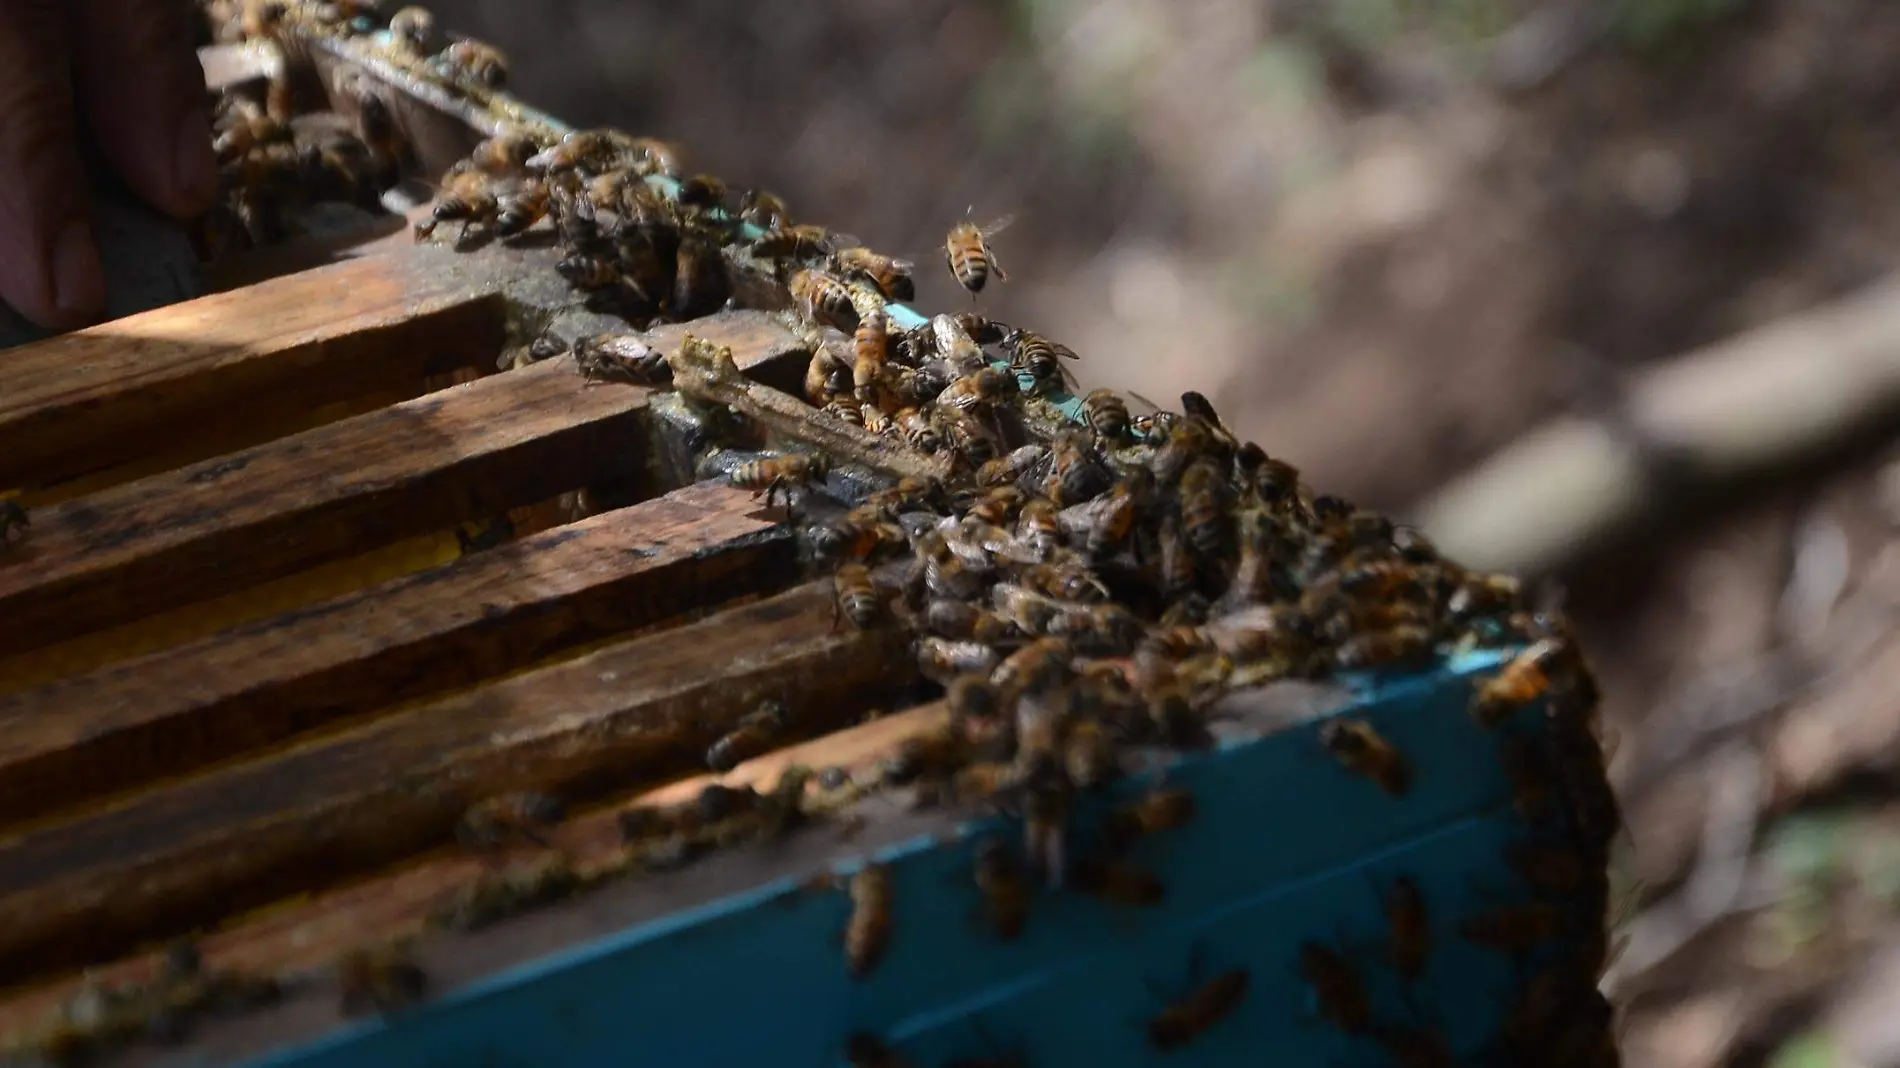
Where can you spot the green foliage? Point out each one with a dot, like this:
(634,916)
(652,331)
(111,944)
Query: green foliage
(1810,1049)
(1650,25)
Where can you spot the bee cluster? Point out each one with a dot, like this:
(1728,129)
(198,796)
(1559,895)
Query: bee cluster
(165,1008)
(1085,580)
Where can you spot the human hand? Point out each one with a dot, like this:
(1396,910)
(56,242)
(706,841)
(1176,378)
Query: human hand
(121,74)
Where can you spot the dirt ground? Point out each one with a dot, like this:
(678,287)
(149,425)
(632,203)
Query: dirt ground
(1388,238)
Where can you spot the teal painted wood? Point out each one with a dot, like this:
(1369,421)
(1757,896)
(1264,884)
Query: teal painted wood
(1288,846)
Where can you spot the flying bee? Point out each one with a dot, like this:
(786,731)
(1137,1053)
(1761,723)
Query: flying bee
(1337,986)
(870,347)
(822,298)
(412,29)
(867,934)
(1038,357)
(773,475)
(979,390)
(1361,748)
(509,817)
(1007,469)
(383,979)
(12,518)
(856,598)
(468,197)
(1160,810)
(621,357)
(942,660)
(1118,884)
(1039,529)
(754,735)
(473,59)
(1410,926)
(891,276)
(702,191)
(1181,1023)
(1514,928)
(802,241)
(967,252)
(763,209)
(1523,681)
(1005,890)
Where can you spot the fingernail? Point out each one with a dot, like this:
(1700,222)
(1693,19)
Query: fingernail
(194,169)
(79,284)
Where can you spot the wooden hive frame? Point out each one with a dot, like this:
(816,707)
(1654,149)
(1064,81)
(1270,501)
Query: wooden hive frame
(250,675)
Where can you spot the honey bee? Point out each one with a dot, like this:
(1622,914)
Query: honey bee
(1361,748)
(802,241)
(1090,755)
(1112,518)
(1523,681)
(1336,984)
(1098,630)
(868,1051)
(938,571)
(622,358)
(856,598)
(967,252)
(1410,924)
(996,507)
(1204,519)
(412,29)
(941,660)
(702,191)
(13,518)
(1031,669)
(1181,1023)
(964,436)
(263,18)
(828,377)
(509,817)
(867,934)
(1175,564)
(591,151)
(1025,609)
(1075,473)
(962,620)
(1118,884)
(1187,440)
(1007,469)
(1532,778)
(763,209)
(870,345)
(383,979)
(890,276)
(1005,890)
(700,284)
(752,737)
(1549,868)
(526,205)
(1065,582)
(1160,810)
(1039,528)
(973,696)
(468,197)
(1514,928)
(1038,357)
(822,298)
(778,474)
(473,59)
(1398,645)
(246,126)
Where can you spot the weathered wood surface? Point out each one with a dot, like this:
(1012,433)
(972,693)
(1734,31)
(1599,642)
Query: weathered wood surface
(421,466)
(119,728)
(641,711)
(89,400)
(308,935)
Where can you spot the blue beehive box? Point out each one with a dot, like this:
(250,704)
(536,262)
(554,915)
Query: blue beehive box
(1288,847)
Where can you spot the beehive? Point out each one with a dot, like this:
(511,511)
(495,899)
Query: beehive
(252,678)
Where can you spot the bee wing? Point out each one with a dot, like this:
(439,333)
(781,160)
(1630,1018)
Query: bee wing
(1138,398)
(997,226)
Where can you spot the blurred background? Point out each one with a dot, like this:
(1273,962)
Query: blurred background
(1596,289)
